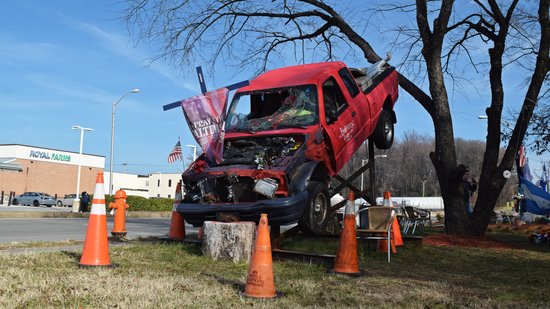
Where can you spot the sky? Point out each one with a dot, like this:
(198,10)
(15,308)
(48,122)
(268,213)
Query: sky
(65,63)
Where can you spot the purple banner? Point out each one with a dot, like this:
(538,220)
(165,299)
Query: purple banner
(205,115)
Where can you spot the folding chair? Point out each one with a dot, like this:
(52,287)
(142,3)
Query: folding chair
(416,216)
(380,220)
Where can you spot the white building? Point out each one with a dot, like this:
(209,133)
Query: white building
(152,185)
(428,203)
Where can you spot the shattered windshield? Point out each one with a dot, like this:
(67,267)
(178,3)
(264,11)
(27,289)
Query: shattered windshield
(273,109)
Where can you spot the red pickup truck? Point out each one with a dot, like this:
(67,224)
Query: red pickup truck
(286,134)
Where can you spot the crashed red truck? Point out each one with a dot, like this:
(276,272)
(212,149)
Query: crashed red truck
(286,134)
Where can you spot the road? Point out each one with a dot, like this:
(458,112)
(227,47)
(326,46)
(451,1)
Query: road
(61,229)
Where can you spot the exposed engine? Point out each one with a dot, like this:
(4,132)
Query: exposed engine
(244,184)
(263,151)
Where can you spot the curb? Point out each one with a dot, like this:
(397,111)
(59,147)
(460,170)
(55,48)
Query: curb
(52,214)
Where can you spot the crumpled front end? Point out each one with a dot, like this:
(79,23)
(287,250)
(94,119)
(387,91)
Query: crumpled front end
(251,179)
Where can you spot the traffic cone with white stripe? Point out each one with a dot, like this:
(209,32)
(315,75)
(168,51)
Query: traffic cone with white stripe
(395,229)
(346,258)
(396,239)
(96,245)
(177,224)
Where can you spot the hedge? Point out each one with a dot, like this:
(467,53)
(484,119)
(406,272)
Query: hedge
(138,203)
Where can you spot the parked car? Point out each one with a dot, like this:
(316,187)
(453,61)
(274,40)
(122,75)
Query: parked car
(67,200)
(286,135)
(34,198)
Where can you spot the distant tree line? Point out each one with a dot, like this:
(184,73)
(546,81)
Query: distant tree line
(407,170)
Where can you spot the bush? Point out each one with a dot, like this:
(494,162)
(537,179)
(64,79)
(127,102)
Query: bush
(540,220)
(138,203)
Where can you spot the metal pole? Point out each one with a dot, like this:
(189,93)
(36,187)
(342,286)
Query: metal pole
(423,183)
(371,171)
(363,174)
(113,138)
(79,164)
(76,202)
(194,151)
(112,149)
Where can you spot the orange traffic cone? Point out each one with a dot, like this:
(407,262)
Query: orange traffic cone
(346,257)
(177,225)
(96,245)
(395,229)
(259,282)
(387,199)
(396,233)
(383,244)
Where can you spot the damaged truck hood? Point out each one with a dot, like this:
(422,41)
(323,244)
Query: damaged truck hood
(254,166)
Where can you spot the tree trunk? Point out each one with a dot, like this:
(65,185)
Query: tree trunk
(228,241)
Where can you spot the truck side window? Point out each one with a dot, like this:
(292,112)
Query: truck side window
(348,80)
(334,101)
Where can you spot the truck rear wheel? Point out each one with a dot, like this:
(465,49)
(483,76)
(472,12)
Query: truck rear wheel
(315,216)
(383,134)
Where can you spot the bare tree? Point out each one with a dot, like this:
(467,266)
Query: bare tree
(537,137)
(255,33)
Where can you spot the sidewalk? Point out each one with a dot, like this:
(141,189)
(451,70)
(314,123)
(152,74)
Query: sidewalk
(65,212)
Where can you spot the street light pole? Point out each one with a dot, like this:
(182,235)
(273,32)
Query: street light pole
(113,137)
(362,178)
(194,151)
(77,196)
(365,161)
(423,183)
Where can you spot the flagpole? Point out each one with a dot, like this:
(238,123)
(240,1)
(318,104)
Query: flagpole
(182,162)
(547,172)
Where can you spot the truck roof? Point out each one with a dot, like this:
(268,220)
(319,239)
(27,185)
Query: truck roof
(293,76)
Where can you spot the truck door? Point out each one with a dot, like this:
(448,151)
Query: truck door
(340,122)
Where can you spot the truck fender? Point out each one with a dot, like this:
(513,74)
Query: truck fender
(388,106)
(306,172)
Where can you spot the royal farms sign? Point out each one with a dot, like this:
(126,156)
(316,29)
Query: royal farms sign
(53,156)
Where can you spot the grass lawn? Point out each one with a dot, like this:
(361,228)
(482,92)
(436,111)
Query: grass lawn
(157,275)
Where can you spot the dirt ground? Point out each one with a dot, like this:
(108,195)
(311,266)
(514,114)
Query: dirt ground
(461,241)
(525,229)
(487,242)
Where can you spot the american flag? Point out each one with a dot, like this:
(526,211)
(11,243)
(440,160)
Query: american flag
(175,154)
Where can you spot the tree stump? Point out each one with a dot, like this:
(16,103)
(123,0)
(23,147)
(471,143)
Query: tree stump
(228,241)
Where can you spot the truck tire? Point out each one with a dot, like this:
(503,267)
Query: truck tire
(15,202)
(383,134)
(315,214)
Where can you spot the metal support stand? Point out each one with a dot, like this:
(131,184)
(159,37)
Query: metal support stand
(347,182)
(276,236)
(371,172)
